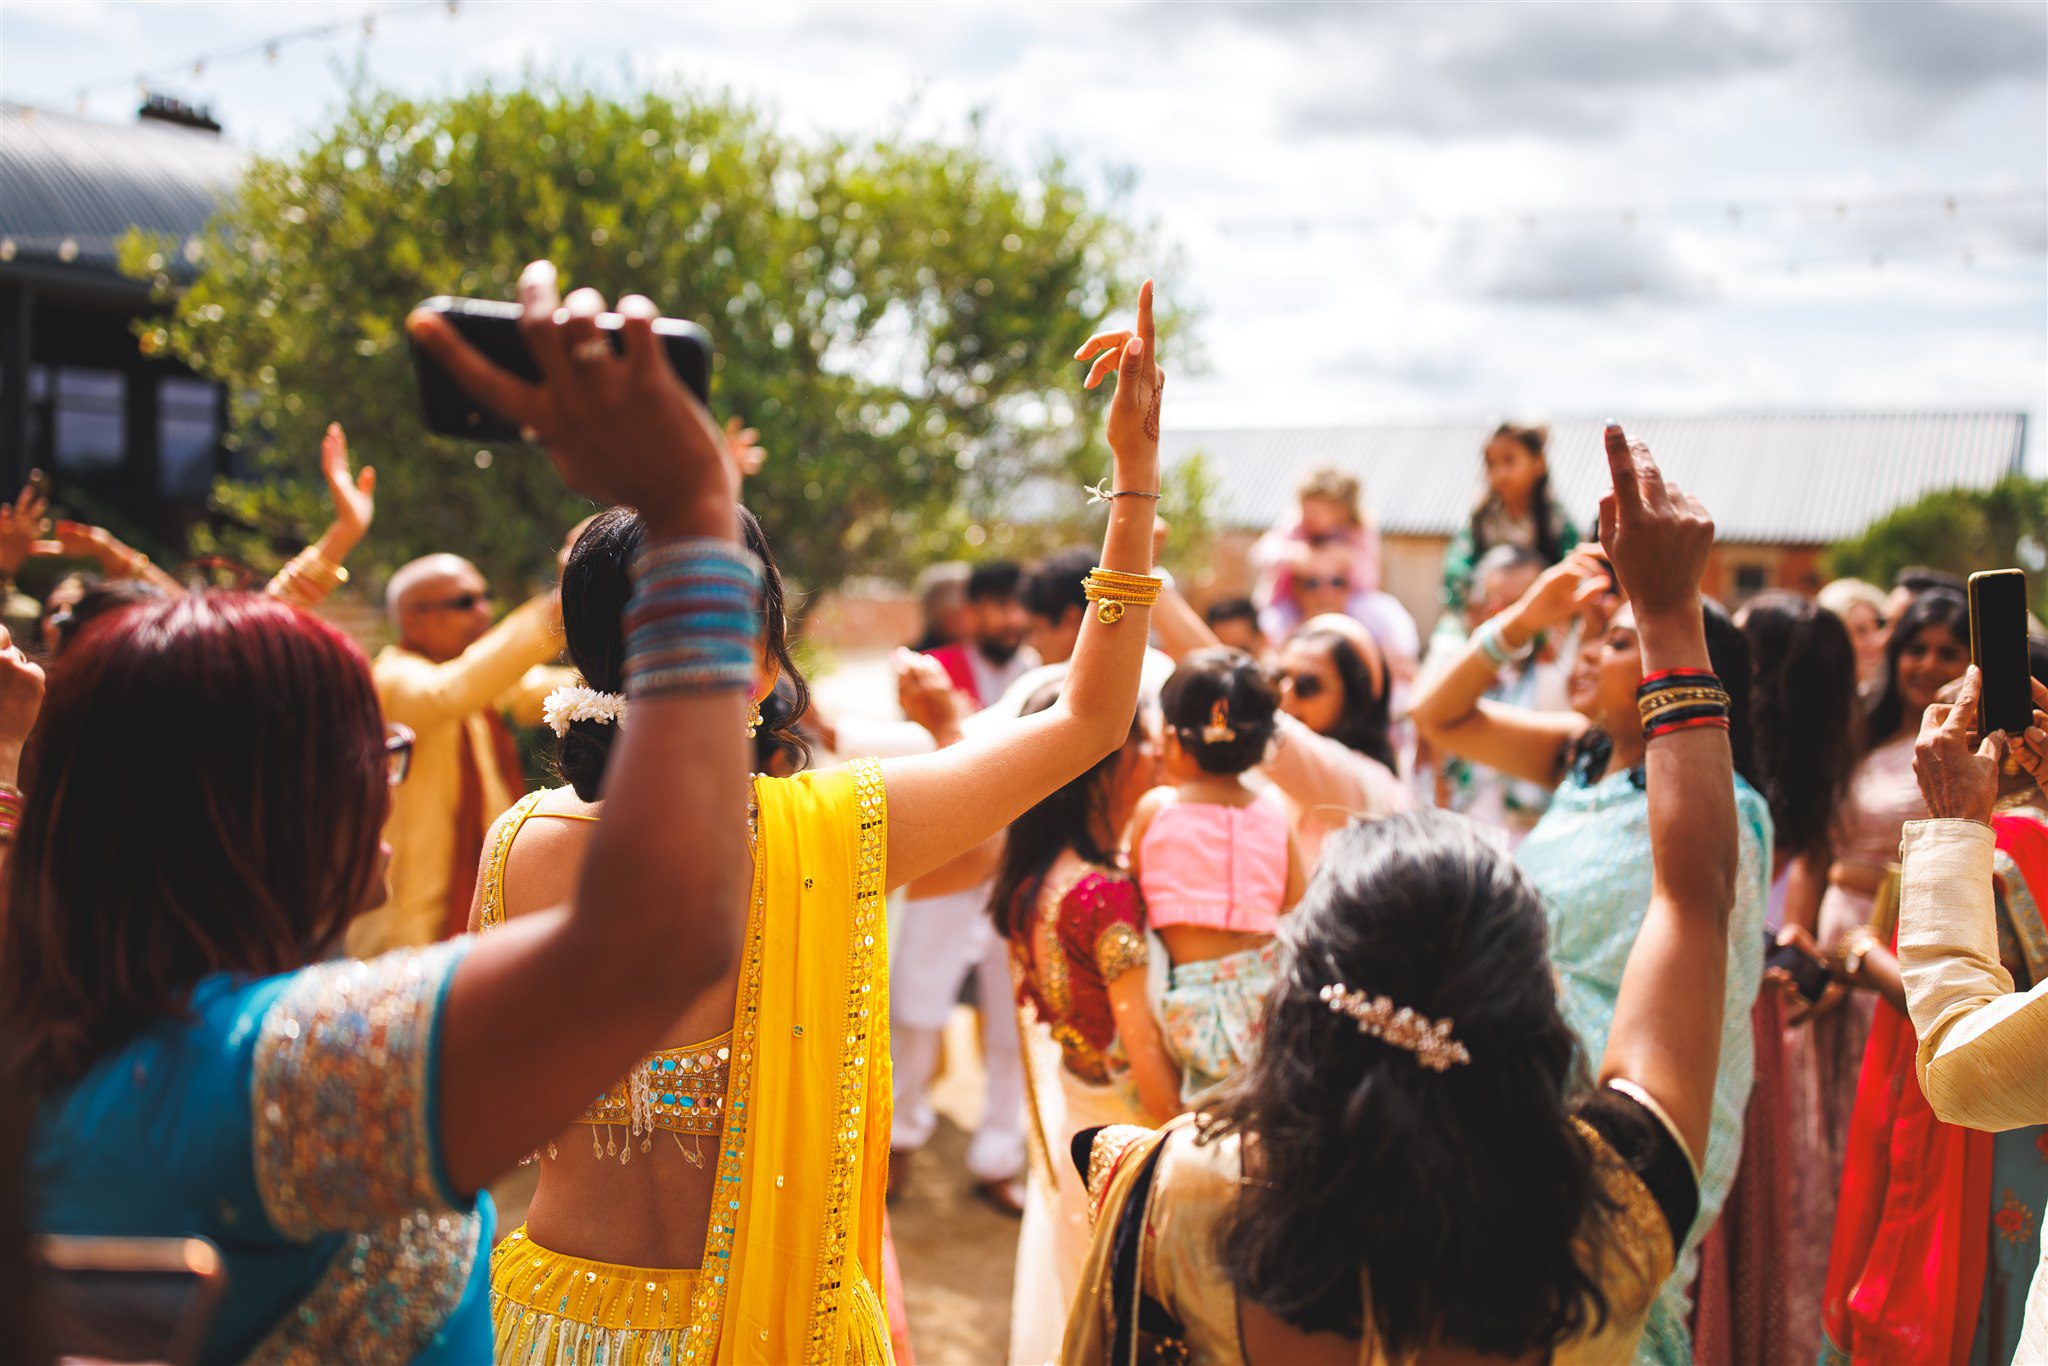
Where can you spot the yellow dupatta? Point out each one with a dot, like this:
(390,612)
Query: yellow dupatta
(793,1260)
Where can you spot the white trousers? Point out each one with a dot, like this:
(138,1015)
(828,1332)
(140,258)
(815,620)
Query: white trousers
(941,940)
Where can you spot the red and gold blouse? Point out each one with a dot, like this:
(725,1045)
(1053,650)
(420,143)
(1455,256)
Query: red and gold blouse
(1088,931)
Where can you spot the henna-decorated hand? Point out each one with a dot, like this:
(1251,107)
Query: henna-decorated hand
(1134,412)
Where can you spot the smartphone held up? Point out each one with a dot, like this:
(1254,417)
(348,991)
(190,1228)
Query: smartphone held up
(1998,647)
(492,327)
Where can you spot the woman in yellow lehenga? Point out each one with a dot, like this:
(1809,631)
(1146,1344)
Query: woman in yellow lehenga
(724,1201)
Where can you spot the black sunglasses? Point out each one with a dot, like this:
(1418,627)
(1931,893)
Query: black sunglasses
(461,602)
(1315,581)
(1306,685)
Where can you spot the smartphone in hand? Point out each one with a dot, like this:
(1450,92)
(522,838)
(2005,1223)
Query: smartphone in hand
(1809,975)
(492,327)
(1998,647)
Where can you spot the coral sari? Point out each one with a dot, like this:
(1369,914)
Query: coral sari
(1912,1262)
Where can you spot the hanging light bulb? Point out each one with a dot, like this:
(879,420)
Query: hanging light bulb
(369,25)
(198,68)
(270,52)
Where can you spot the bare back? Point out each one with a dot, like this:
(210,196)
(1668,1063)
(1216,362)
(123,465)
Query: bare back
(650,1208)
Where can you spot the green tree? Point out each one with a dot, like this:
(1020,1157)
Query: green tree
(1960,530)
(896,316)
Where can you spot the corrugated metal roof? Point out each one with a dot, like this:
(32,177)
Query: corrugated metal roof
(67,178)
(1774,479)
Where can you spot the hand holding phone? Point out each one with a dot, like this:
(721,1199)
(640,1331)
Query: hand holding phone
(1998,647)
(620,425)
(1809,974)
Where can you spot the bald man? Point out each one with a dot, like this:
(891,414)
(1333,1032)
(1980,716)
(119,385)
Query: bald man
(451,677)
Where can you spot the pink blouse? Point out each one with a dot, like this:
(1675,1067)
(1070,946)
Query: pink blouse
(1220,867)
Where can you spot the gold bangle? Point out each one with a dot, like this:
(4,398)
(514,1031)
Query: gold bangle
(1114,593)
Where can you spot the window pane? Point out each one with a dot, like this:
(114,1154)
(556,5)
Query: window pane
(188,431)
(88,410)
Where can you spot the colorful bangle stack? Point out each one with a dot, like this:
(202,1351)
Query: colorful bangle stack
(1682,699)
(695,618)
(1113,591)
(1497,649)
(10,813)
(307,579)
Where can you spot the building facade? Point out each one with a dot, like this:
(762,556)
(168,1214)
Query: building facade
(129,439)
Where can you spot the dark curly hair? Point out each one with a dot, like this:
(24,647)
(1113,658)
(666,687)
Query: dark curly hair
(1805,714)
(597,583)
(1249,700)
(1461,1195)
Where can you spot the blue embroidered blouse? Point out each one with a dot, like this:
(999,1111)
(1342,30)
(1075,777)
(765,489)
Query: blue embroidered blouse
(1589,858)
(291,1122)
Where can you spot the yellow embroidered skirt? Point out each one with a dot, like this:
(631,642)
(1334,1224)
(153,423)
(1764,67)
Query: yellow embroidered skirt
(547,1307)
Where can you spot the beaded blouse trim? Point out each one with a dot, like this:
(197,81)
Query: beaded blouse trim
(384,1296)
(340,1092)
(867,956)
(681,1090)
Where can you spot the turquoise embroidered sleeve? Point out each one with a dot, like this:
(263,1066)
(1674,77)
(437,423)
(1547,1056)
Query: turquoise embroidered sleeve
(342,1093)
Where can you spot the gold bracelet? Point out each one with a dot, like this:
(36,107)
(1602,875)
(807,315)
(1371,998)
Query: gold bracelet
(1857,947)
(1114,592)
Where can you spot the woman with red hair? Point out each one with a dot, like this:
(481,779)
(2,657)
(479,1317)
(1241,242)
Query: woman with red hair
(199,818)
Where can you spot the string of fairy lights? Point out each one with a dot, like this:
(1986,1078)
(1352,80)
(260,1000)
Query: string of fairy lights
(271,49)
(1964,228)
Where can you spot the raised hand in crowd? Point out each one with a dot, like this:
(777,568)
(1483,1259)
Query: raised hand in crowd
(116,559)
(658,912)
(355,499)
(21,701)
(745,444)
(927,695)
(22,524)
(1666,1035)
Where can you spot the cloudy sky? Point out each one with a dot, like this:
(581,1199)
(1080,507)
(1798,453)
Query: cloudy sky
(1381,212)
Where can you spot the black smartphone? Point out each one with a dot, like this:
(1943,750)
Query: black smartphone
(492,327)
(1998,647)
(131,1299)
(1809,975)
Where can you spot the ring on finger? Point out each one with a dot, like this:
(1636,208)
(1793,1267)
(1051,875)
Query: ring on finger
(590,350)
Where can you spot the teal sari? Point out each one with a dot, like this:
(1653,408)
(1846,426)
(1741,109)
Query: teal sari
(1589,858)
(290,1122)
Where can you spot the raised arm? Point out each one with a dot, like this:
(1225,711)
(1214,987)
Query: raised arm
(554,1006)
(1666,1034)
(942,804)
(309,576)
(1450,707)
(1981,1043)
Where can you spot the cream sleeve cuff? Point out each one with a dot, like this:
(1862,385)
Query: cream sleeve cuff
(1983,1053)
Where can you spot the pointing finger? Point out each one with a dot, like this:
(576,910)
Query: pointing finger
(1621,467)
(1145,333)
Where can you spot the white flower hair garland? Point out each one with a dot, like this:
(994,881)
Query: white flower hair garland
(579,702)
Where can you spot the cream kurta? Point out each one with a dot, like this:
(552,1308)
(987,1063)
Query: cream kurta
(1983,1058)
(440,701)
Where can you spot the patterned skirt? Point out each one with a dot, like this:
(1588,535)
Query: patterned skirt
(547,1307)
(1210,1015)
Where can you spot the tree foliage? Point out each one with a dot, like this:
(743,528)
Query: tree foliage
(1960,530)
(896,316)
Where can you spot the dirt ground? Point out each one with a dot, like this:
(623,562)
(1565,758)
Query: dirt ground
(957,1253)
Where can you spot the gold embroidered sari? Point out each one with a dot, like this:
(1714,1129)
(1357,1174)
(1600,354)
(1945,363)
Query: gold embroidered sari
(793,1251)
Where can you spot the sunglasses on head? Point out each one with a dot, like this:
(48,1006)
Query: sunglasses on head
(461,602)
